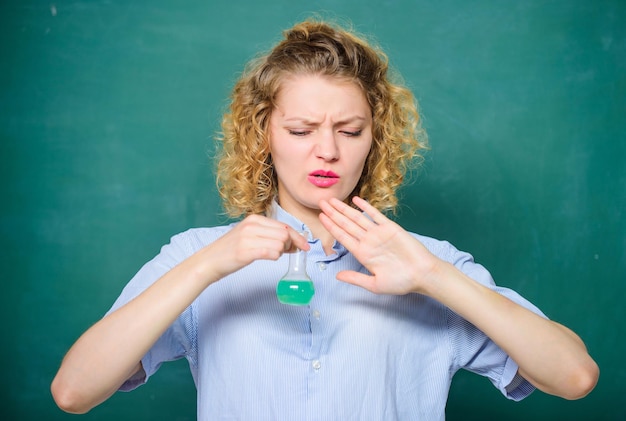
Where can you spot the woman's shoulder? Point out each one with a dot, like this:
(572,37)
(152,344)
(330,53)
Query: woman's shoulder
(446,251)
(194,239)
(440,248)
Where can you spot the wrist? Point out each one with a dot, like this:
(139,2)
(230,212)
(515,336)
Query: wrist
(205,267)
(437,279)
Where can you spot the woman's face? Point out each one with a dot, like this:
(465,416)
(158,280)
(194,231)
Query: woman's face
(320,137)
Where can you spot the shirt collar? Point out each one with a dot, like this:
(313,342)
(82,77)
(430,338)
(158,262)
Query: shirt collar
(278,213)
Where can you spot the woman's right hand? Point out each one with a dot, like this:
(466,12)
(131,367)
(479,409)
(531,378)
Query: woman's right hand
(254,238)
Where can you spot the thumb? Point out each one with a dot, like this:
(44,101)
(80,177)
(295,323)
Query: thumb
(356,278)
(297,241)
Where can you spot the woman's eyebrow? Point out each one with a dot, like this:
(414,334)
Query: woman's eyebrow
(351,119)
(311,122)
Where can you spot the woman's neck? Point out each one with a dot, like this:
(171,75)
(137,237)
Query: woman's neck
(310,218)
(312,221)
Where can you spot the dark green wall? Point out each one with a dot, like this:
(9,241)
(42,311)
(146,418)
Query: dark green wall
(107,111)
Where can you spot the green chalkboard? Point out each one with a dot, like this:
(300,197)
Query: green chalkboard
(107,116)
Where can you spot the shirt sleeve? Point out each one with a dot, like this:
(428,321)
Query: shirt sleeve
(179,340)
(476,352)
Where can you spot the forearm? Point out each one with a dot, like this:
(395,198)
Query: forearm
(109,352)
(549,355)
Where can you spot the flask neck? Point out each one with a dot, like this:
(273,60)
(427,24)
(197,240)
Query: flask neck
(297,265)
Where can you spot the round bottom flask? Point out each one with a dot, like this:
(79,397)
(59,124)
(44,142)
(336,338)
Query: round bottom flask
(295,287)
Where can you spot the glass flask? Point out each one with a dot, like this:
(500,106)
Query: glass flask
(295,287)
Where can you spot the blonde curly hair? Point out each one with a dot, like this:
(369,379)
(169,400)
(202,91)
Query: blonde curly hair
(245,174)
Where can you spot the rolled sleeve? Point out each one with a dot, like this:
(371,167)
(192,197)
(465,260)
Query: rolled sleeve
(512,384)
(474,350)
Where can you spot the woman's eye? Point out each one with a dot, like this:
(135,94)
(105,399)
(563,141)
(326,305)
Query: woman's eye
(352,133)
(299,132)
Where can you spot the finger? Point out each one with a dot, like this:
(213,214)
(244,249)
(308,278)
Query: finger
(350,220)
(357,278)
(340,227)
(270,238)
(275,229)
(258,232)
(354,215)
(296,241)
(262,220)
(337,232)
(287,239)
(376,216)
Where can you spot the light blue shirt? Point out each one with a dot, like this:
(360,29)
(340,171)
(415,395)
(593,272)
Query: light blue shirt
(349,355)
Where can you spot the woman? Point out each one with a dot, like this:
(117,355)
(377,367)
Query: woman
(314,127)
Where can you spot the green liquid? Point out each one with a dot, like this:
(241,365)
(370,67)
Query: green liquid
(297,293)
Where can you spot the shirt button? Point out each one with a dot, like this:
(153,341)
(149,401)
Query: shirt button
(322,266)
(316,314)
(316,364)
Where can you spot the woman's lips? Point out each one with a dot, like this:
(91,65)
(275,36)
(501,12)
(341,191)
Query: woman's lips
(321,178)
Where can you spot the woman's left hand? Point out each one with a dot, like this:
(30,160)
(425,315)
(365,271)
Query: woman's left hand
(398,262)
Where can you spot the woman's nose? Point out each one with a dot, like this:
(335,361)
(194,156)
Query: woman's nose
(326,147)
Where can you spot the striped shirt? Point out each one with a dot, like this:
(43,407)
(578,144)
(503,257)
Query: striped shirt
(349,355)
